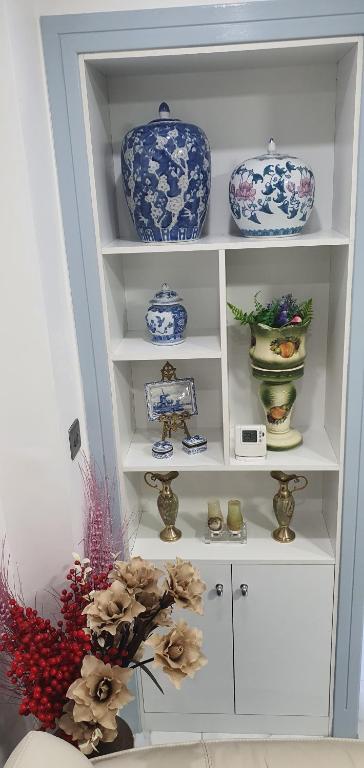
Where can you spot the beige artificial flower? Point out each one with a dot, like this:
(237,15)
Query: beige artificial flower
(87,735)
(151,602)
(110,608)
(137,575)
(179,652)
(186,585)
(99,692)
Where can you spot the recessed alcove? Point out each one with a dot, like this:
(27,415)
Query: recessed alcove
(307,95)
(301,92)
(317,273)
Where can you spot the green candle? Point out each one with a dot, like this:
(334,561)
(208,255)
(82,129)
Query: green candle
(214,509)
(214,515)
(234,516)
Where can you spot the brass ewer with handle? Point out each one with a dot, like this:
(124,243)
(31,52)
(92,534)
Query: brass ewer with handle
(167,503)
(284,504)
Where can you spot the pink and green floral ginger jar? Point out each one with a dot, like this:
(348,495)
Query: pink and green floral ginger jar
(271,195)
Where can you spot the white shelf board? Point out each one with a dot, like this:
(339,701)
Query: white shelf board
(135,346)
(139,457)
(315,454)
(311,545)
(227,242)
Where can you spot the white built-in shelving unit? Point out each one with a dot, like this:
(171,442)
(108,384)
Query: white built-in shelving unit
(307,95)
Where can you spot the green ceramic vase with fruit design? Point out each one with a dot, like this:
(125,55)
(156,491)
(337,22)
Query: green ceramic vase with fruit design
(277,355)
(281,348)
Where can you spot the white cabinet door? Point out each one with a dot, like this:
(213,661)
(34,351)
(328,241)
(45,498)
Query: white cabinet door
(282,638)
(212,688)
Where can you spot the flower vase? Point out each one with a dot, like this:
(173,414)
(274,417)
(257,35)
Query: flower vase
(277,358)
(277,396)
(124,740)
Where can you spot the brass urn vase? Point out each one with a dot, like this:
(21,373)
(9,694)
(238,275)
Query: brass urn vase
(167,503)
(284,504)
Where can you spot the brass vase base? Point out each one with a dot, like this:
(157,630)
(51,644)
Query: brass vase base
(170,533)
(283,534)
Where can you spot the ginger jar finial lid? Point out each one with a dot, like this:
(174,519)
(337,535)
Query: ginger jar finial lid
(164,111)
(166,295)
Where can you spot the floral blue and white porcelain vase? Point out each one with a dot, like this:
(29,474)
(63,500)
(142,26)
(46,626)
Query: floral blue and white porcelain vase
(166,318)
(166,171)
(271,195)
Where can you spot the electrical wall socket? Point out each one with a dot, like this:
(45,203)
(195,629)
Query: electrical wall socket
(74,436)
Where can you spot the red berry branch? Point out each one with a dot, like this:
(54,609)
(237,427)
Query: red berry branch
(45,659)
(40,659)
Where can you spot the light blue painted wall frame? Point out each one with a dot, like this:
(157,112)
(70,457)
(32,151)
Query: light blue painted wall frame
(64,38)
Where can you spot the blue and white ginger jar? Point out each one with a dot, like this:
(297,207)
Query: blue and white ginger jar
(166,170)
(166,318)
(271,195)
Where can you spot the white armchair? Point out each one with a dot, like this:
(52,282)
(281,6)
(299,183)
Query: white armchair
(41,750)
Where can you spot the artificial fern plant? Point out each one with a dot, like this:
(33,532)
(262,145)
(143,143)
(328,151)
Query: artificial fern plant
(277,313)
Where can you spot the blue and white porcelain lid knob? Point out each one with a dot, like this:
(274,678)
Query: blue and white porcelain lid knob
(165,296)
(164,111)
(271,147)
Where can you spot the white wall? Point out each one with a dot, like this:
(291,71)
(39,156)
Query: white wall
(40,382)
(40,386)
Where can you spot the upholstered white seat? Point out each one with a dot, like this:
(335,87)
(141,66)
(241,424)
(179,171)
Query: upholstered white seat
(40,750)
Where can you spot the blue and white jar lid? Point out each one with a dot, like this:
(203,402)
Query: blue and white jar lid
(165,114)
(162,449)
(165,296)
(271,151)
(194,441)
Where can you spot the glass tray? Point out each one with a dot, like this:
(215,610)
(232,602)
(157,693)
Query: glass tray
(225,535)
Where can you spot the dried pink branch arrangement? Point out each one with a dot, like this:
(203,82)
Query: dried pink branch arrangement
(100,542)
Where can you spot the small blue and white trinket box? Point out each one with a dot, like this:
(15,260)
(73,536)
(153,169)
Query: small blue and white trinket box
(162,449)
(194,444)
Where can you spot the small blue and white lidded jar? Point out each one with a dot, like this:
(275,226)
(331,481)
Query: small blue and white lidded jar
(272,194)
(166,171)
(166,318)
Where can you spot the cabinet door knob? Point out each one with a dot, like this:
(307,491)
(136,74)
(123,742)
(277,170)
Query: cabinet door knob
(219,589)
(244,589)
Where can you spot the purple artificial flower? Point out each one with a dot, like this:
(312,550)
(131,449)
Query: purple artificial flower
(286,310)
(281,318)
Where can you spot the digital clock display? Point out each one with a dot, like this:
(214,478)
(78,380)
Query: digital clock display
(249,436)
